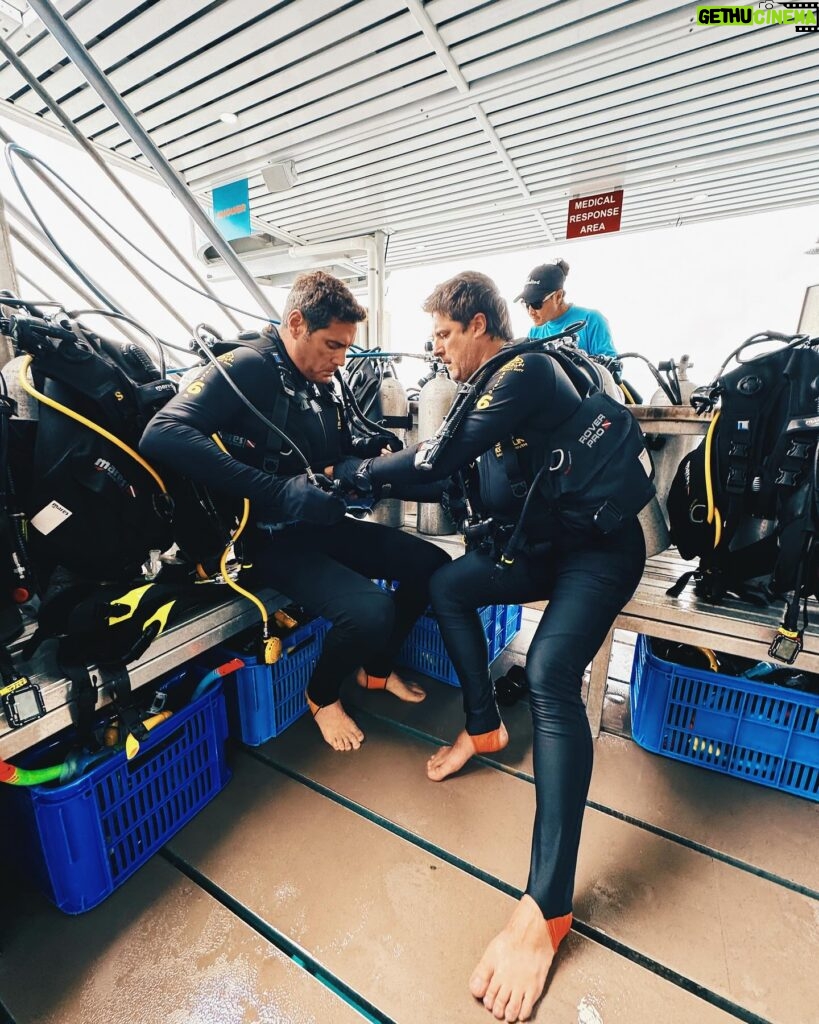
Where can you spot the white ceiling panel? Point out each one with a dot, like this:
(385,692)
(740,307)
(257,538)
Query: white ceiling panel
(459,127)
(43,54)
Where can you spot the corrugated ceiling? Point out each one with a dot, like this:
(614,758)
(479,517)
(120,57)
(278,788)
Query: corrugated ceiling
(455,127)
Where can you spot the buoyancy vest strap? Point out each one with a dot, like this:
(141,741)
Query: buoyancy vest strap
(118,686)
(83,694)
(578,377)
(274,442)
(518,483)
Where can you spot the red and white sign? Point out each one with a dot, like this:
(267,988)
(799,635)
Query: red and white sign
(594,215)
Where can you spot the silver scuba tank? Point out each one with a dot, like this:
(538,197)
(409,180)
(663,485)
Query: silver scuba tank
(188,377)
(393,400)
(434,403)
(653,518)
(675,446)
(27,405)
(26,415)
(608,384)
(655,528)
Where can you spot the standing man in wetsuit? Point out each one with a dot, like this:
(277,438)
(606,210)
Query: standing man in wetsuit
(302,543)
(587,579)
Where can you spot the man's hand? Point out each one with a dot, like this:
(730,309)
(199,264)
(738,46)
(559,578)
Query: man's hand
(304,501)
(353,475)
(378,444)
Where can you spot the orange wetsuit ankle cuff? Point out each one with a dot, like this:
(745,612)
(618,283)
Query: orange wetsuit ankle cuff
(559,928)
(487,742)
(375,682)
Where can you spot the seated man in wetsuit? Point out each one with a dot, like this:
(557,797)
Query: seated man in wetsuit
(587,579)
(302,542)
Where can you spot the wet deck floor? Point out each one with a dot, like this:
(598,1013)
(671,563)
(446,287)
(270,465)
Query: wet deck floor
(328,888)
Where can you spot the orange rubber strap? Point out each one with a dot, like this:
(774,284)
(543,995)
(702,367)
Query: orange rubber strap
(559,928)
(376,682)
(487,742)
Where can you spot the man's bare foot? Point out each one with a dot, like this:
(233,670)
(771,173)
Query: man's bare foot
(337,728)
(512,972)
(410,692)
(448,760)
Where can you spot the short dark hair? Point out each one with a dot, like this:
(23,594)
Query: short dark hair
(320,298)
(468,293)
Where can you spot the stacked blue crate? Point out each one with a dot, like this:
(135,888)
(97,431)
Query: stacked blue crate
(81,840)
(424,648)
(263,700)
(751,730)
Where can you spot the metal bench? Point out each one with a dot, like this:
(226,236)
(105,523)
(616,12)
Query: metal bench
(199,632)
(734,627)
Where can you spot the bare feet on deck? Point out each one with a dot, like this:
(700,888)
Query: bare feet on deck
(337,728)
(512,972)
(410,692)
(448,760)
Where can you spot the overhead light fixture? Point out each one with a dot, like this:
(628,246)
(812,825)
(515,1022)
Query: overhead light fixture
(229,117)
(279,175)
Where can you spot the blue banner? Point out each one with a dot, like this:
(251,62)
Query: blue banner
(231,209)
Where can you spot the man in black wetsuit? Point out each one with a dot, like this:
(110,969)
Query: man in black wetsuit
(587,579)
(302,542)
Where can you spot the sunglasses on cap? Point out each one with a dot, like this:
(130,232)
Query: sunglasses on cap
(539,304)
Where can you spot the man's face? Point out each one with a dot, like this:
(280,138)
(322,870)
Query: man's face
(455,345)
(549,309)
(318,354)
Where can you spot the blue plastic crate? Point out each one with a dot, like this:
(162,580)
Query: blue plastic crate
(754,731)
(264,699)
(424,648)
(512,621)
(79,841)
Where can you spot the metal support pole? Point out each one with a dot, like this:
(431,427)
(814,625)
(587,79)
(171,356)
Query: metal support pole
(80,57)
(37,290)
(8,279)
(40,251)
(105,242)
(84,144)
(377,298)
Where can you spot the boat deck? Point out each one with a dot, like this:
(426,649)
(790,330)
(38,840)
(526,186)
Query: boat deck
(322,887)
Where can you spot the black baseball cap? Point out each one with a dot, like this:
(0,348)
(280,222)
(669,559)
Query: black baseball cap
(543,280)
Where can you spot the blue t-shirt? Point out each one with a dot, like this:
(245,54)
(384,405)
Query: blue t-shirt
(595,338)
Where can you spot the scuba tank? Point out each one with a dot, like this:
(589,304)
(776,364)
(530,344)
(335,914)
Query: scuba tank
(18,577)
(28,410)
(393,401)
(673,447)
(411,436)
(190,375)
(434,403)
(655,528)
(667,452)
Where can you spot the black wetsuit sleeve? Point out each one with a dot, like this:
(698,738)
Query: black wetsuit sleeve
(180,435)
(419,491)
(523,389)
